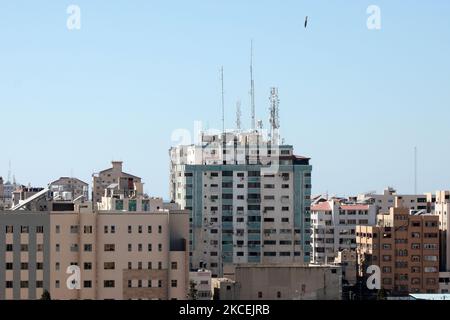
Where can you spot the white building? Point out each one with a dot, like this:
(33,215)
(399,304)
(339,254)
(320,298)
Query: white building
(386,200)
(203,283)
(249,200)
(333,228)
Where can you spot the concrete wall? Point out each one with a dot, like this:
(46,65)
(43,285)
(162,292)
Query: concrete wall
(289,282)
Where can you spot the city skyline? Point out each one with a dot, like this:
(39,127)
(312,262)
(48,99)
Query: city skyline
(356,101)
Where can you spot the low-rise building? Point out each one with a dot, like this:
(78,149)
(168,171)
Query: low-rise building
(203,284)
(69,188)
(225,289)
(288,282)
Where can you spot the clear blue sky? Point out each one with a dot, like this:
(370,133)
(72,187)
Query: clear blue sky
(356,101)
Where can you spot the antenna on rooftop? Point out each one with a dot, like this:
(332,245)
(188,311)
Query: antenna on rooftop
(415,170)
(238,115)
(274,115)
(252,87)
(9,171)
(223,101)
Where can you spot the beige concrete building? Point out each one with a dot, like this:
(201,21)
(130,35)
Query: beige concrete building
(405,247)
(442,210)
(288,282)
(69,188)
(225,289)
(386,200)
(122,255)
(346,259)
(112,176)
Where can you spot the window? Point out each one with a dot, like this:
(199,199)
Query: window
(24,284)
(87,229)
(113,229)
(174,265)
(58,247)
(129,229)
(39,266)
(140,247)
(9,247)
(73,229)
(260,295)
(130,265)
(160,247)
(130,247)
(9,284)
(87,266)
(110,247)
(174,283)
(109,265)
(159,229)
(88,247)
(24,229)
(139,229)
(87,284)
(57,284)
(9,229)
(24,247)
(109,284)
(159,265)
(39,247)
(9,266)
(149,229)
(140,265)
(74,247)
(149,266)
(149,247)
(39,284)
(278,294)
(57,266)
(39,229)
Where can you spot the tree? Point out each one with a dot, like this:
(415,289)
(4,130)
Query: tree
(193,292)
(46,295)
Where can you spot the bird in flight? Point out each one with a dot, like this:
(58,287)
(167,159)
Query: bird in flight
(306,21)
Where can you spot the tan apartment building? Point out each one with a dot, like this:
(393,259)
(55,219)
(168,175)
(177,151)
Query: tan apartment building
(442,210)
(121,255)
(406,248)
(68,188)
(114,175)
(125,247)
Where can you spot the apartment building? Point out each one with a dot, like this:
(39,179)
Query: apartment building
(406,248)
(249,200)
(386,200)
(70,188)
(333,228)
(122,255)
(442,210)
(112,176)
(125,248)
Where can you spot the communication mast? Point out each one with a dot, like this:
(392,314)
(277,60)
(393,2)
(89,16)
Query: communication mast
(252,88)
(274,115)
(238,115)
